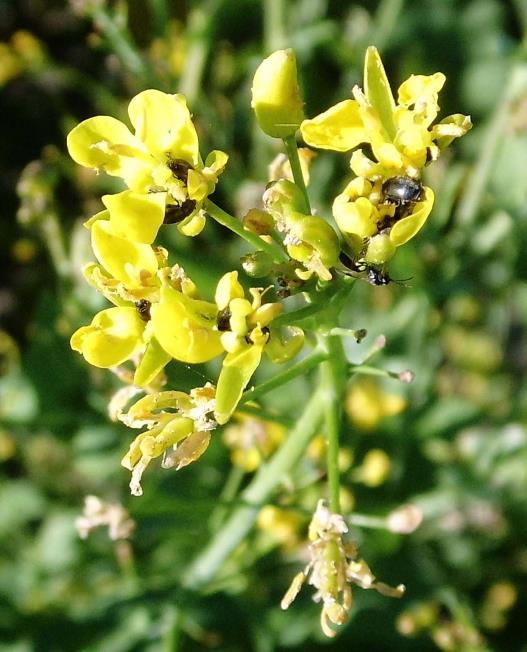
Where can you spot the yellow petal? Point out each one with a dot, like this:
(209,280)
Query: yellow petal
(215,162)
(163,123)
(132,263)
(454,126)
(357,217)
(378,91)
(193,224)
(152,363)
(114,336)
(419,93)
(185,327)
(197,185)
(340,128)
(92,143)
(228,288)
(236,372)
(405,229)
(188,451)
(136,216)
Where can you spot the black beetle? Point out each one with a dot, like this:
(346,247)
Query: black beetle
(402,190)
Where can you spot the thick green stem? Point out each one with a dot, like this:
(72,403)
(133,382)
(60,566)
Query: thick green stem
(199,28)
(385,19)
(265,482)
(236,226)
(53,236)
(292,152)
(274,25)
(477,183)
(333,382)
(298,369)
(227,495)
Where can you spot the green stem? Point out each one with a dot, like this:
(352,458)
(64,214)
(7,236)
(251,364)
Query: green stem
(367,370)
(236,226)
(227,495)
(54,238)
(266,415)
(477,183)
(333,298)
(333,381)
(160,16)
(199,27)
(274,25)
(384,22)
(119,41)
(298,369)
(265,482)
(366,521)
(292,152)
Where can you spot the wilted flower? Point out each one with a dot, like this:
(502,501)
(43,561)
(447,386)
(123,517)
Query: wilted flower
(332,568)
(98,513)
(179,426)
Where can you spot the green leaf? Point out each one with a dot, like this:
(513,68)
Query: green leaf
(378,91)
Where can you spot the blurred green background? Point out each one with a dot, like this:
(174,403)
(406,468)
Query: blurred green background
(458,449)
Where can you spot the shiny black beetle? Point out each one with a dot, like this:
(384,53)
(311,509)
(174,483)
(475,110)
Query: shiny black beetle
(402,190)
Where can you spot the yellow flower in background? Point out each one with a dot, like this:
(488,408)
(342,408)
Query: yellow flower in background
(281,524)
(375,468)
(252,440)
(161,156)
(401,135)
(367,403)
(179,427)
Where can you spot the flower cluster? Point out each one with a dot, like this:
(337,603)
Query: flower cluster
(385,205)
(157,314)
(332,568)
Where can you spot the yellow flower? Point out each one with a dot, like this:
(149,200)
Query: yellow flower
(401,135)
(178,425)
(374,227)
(281,524)
(161,156)
(245,334)
(186,327)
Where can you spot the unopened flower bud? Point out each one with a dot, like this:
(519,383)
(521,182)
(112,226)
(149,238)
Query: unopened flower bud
(281,195)
(257,264)
(380,249)
(405,519)
(258,221)
(276,96)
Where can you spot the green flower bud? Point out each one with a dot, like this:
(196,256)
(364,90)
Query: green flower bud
(258,221)
(380,249)
(283,195)
(257,264)
(276,96)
